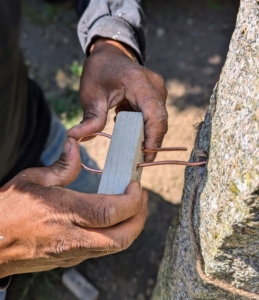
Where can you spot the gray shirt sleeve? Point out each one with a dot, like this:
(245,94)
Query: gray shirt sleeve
(121,20)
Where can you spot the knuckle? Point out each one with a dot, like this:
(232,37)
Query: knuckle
(79,214)
(164,114)
(166,122)
(136,72)
(105,213)
(57,249)
(159,79)
(60,165)
(63,247)
(161,129)
(160,83)
(57,170)
(163,120)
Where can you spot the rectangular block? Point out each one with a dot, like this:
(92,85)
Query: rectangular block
(124,154)
(79,286)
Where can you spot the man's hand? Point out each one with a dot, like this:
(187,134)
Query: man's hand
(113,78)
(43,226)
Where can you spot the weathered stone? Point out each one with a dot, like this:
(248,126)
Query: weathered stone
(224,195)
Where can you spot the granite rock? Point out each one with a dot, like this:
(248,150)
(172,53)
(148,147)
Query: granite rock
(222,197)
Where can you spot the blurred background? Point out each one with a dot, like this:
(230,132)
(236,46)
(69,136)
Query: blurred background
(187,43)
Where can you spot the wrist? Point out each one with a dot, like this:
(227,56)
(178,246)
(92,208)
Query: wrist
(112,45)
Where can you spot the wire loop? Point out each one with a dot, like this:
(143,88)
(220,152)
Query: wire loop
(147,150)
(92,135)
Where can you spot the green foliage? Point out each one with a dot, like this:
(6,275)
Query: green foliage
(76,68)
(50,12)
(40,15)
(67,107)
(215,5)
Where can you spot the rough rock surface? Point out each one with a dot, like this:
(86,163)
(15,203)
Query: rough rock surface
(224,195)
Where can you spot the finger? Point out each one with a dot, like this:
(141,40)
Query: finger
(62,172)
(155,119)
(99,211)
(94,120)
(151,102)
(120,236)
(93,98)
(88,243)
(155,115)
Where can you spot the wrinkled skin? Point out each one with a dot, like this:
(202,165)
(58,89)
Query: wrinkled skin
(43,226)
(112,77)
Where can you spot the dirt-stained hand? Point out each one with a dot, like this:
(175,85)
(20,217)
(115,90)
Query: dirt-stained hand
(111,78)
(43,226)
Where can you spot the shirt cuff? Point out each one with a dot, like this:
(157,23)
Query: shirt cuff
(4,283)
(109,27)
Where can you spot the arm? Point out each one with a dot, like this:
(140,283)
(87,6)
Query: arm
(43,225)
(112,35)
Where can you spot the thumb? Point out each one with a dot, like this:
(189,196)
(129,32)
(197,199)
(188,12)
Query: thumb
(63,171)
(94,120)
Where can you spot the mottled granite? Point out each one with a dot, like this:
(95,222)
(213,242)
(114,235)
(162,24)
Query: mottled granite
(226,190)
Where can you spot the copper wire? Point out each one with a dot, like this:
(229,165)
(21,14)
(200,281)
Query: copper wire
(172,162)
(147,150)
(91,135)
(150,150)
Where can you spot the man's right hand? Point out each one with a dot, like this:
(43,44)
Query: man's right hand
(44,226)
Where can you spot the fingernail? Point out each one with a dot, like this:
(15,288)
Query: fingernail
(67,147)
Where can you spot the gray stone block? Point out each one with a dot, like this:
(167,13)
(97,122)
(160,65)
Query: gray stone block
(79,286)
